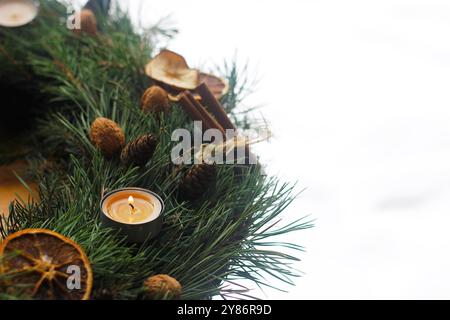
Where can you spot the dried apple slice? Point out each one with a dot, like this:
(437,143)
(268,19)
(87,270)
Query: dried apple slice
(171,68)
(171,71)
(218,86)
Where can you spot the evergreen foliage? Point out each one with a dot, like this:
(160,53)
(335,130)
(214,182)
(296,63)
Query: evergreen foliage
(225,236)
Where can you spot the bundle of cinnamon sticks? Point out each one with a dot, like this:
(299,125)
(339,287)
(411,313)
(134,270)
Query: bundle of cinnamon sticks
(212,115)
(216,118)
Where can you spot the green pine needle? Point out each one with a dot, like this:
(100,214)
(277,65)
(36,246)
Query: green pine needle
(228,235)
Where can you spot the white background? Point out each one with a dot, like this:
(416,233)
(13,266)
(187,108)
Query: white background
(357,95)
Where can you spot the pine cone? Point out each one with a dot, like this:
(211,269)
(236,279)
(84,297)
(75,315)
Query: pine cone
(162,286)
(199,178)
(155,100)
(88,23)
(107,136)
(139,151)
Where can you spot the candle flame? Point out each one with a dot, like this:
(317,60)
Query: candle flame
(131,203)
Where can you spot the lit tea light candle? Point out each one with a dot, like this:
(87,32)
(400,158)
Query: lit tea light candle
(135,212)
(131,210)
(16,13)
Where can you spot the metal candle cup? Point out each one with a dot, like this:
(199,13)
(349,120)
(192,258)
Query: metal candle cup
(135,212)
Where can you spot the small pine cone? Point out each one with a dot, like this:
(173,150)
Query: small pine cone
(162,286)
(107,136)
(88,23)
(155,100)
(140,150)
(199,178)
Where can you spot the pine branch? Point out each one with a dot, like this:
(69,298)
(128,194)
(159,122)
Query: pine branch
(223,237)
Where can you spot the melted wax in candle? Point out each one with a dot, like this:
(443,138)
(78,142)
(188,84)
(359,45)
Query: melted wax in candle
(119,209)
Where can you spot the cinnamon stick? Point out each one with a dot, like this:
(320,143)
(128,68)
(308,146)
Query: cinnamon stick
(192,111)
(214,106)
(218,111)
(211,121)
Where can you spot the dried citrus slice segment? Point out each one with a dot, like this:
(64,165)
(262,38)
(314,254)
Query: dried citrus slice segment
(45,265)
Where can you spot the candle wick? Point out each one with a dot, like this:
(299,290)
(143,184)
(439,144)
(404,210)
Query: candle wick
(132,207)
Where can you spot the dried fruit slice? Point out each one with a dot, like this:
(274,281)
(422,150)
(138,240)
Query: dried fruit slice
(47,265)
(172,69)
(218,86)
(176,97)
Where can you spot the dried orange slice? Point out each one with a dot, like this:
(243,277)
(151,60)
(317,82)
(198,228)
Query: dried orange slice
(45,265)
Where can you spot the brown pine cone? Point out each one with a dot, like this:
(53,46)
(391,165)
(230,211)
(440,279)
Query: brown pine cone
(140,150)
(88,23)
(155,100)
(162,286)
(197,180)
(107,136)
